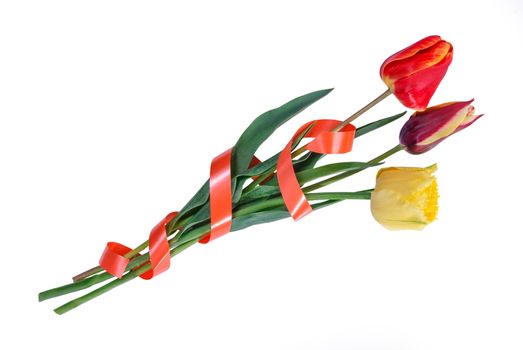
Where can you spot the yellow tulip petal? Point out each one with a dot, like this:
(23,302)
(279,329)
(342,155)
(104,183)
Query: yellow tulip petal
(405,198)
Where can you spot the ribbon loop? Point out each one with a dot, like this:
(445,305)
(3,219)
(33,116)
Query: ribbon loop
(159,250)
(113,259)
(220,194)
(325,141)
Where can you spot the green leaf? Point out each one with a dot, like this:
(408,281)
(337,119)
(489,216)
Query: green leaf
(308,175)
(202,214)
(280,212)
(331,169)
(267,216)
(257,218)
(308,161)
(272,189)
(199,199)
(313,158)
(255,134)
(280,115)
(263,127)
(260,192)
(259,130)
(262,168)
(365,129)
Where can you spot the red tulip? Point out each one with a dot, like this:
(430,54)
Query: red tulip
(414,73)
(424,130)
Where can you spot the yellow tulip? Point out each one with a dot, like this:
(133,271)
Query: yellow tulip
(405,198)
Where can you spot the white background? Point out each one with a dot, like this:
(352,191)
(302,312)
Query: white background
(110,112)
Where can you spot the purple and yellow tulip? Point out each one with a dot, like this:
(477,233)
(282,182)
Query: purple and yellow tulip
(424,130)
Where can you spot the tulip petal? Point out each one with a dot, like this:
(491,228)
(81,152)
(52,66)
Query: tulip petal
(405,198)
(411,50)
(447,126)
(394,214)
(422,60)
(424,130)
(416,90)
(468,121)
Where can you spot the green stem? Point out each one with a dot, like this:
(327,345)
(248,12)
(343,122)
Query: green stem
(133,253)
(363,110)
(74,287)
(200,231)
(197,233)
(348,173)
(88,273)
(302,149)
(117,282)
(194,236)
(88,281)
(265,204)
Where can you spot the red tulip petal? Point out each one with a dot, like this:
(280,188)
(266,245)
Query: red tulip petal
(422,60)
(410,51)
(416,90)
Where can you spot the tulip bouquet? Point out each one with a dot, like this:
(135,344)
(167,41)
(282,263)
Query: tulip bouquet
(243,191)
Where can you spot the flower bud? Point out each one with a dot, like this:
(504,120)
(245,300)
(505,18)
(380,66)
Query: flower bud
(424,130)
(414,73)
(405,198)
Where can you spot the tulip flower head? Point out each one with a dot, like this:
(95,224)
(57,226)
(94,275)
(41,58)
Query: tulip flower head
(424,130)
(414,73)
(405,198)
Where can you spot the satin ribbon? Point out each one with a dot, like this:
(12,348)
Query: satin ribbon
(113,259)
(325,141)
(220,194)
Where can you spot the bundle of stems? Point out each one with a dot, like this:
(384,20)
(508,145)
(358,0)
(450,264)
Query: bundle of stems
(259,201)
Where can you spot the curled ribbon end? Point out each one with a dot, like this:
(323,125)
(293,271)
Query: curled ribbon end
(206,239)
(325,141)
(113,260)
(303,212)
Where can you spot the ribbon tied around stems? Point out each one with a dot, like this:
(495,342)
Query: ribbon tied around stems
(113,259)
(325,141)
(220,195)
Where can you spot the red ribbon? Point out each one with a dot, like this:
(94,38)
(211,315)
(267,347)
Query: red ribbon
(220,193)
(113,259)
(325,141)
